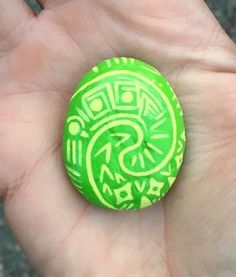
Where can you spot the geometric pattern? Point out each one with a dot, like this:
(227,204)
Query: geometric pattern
(124,136)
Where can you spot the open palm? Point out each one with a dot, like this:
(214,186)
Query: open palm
(192,231)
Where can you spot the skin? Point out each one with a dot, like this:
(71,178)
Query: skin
(189,233)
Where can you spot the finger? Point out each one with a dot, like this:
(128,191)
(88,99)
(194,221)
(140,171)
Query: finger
(48,208)
(13,14)
(170,30)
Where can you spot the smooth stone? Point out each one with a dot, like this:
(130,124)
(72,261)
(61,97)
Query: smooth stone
(124,136)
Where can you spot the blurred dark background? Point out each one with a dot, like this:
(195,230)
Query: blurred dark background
(12,260)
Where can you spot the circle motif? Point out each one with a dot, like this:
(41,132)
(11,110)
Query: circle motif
(74,128)
(128,146)
(96,105)
(127,97)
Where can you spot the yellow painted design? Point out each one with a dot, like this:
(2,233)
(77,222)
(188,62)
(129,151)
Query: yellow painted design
(96,105)
(80,152)
(155,187)
(68,150)
(117,60)
(134,160)
(76,118)
(84,134)
(168,172)
(160,136)
(95,69)
(107,149)
(124,137)
(145,202)
(140,186)
(119,178)
(74,172)
(125,60)
(123,194)
(179,160)
(141,159)
(171,180)
(117,132)
(74,151)
(104,170)
(127,97)
(154,148)
(159,123)
(74,128)
(149,155)
(106,189)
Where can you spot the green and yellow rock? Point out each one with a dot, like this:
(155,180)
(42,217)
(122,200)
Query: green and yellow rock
(124,137)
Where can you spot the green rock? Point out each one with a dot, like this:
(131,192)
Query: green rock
(124,136)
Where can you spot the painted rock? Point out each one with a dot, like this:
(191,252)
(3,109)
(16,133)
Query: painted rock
(124,136)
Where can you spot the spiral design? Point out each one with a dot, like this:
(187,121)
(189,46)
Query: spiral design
(124,135)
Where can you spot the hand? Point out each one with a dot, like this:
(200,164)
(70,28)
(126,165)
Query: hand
(192,231)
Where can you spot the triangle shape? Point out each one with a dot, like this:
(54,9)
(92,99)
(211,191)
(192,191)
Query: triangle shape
(145,202)
(119,178)
(106,189)
(107,150)
(171,180)
(124,137)
(105,170)
(140,187)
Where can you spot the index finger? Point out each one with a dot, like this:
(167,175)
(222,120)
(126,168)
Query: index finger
(13,14)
